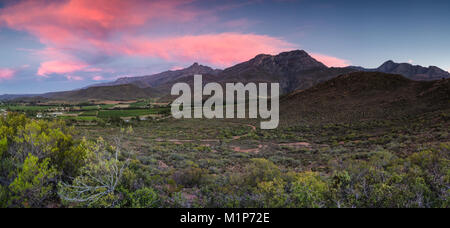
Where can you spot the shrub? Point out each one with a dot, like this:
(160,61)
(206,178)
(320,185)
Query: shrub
(191,177)
(261,170)
(32,185)
(309,190)
(96,186)
(3,146)
(145,198)
(273,193)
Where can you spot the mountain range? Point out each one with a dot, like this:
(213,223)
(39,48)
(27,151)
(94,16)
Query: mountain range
(294,70)
(413,72)
(162,78)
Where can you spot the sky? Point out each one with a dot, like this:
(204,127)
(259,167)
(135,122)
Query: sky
(57,45)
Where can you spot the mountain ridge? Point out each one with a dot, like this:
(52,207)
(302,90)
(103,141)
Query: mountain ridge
(415,72)
(116,92)
(163,77)
(294,70)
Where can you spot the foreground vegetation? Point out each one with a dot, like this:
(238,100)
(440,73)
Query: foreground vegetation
(200,163)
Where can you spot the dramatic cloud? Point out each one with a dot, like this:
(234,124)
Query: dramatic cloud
(74,28)
(80,34)
(331,61)
(218,49)
(63,22)
(6,73)
(74,78)
(174,68)
(98,78)
(59,67)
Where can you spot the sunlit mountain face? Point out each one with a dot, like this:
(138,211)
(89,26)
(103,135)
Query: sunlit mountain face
(68,44)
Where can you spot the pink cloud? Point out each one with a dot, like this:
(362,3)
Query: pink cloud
(174,68)
(222,49)
(90,30)
(93,69)
(98,78)
(6,73)
(239,23)
(61,22)
(331,61)
(59,67)
(100,26)
(74,78)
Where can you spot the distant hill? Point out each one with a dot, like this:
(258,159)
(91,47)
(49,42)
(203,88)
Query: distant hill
(7,97)
(365,95)
(413,72)
(162,78)
(119,92)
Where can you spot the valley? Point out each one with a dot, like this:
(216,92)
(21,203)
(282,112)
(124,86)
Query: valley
(222,111)
(358,140)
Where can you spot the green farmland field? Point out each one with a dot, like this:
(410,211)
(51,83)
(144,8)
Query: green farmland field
(79,118)
(95,107)
(127,113)
(89,113)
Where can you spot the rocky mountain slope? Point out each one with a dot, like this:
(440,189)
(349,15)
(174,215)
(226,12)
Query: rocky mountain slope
(163,78)
(117,92)
(413,72)
(365,95)
(293,70)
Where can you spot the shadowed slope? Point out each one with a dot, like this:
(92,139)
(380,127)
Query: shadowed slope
(120,92)
(365,96)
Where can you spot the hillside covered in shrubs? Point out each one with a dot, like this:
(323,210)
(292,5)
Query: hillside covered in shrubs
(43,165)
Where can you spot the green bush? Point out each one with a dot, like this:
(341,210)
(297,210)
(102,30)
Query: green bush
(31,187)
(309,190)
(191,177)
(34,154)
(3,146)
(145,198)
(261,170)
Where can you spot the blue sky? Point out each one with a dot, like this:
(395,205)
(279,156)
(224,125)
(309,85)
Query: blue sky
(68,44)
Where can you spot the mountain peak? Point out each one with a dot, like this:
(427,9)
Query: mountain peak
(196,66)
(298,59)
(414,72)
(387,66)
(295,53)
